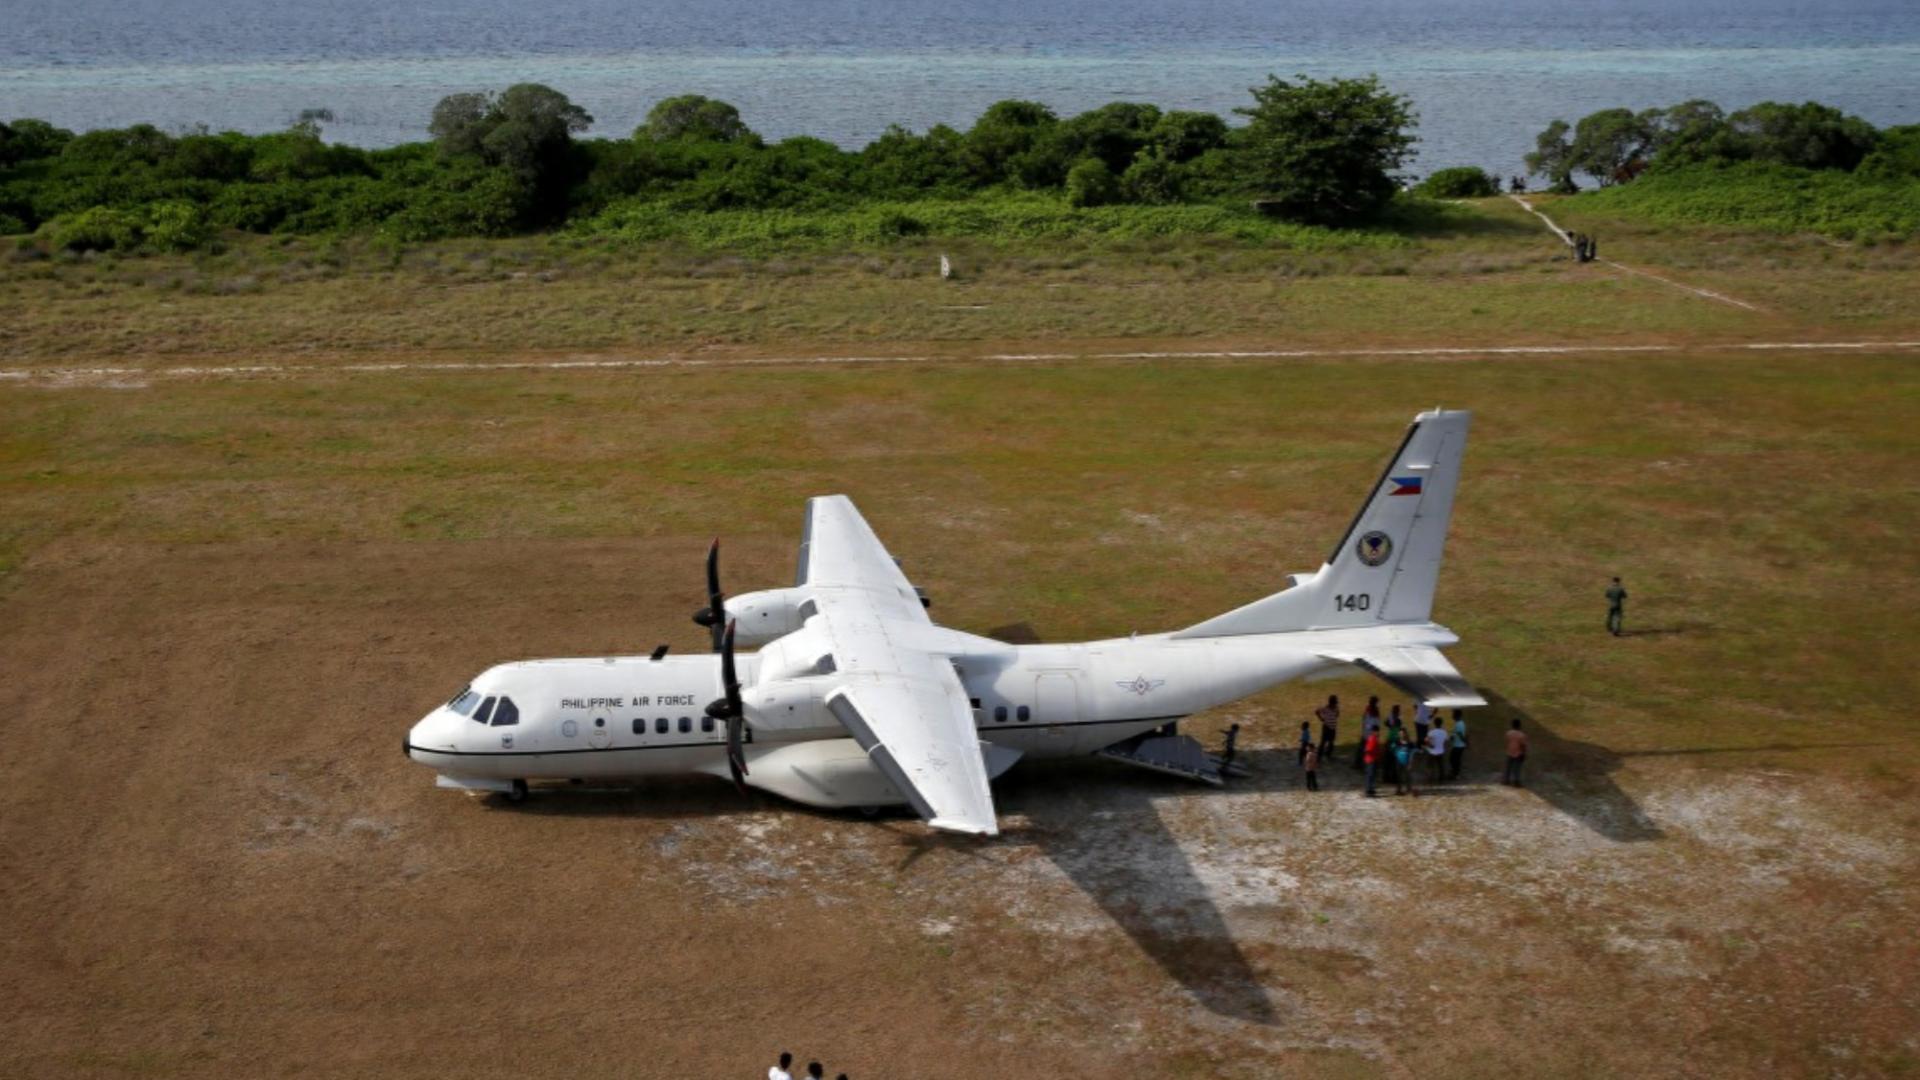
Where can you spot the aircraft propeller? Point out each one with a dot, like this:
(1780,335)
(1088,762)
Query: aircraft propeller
(714,615)
(730,710)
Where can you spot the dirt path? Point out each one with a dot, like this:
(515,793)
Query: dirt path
(1567,239)
(126,376)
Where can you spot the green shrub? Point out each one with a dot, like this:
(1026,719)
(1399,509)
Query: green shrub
(1460,182)
(98,228)
(176,226)
(1091,183)
(1152,179)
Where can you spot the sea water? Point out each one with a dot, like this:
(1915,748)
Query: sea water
(1484,75)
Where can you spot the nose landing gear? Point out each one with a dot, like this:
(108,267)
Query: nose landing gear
(517,794)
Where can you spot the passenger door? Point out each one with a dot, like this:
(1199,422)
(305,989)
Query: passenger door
(1056,702)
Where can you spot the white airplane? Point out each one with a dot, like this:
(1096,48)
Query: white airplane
(857,699)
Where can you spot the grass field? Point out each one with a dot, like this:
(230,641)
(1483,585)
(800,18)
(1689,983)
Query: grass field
(223,600)
(1491,274)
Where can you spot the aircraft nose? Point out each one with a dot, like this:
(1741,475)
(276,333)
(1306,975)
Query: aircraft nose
(429,733)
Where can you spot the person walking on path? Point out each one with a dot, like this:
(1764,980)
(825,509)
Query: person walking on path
(1370,755)
(1312,764)
(1437,751)
(1516,754)
(1369,721)
(1457,742)
(1616,607)
(1329,715)
(1306,740)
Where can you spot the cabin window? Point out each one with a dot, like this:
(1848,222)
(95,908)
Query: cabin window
(506,713)
(464,701)
(484,711)
(1022,714)
(686,724)
(999,714)
(639,725)
(706,724)
(660,726)
(974,702)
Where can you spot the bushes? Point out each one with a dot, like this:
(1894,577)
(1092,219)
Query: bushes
(165,226)
(1091,183)
(1461,182)
(1776,198)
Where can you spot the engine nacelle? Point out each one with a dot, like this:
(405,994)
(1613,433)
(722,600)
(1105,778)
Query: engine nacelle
(761,617)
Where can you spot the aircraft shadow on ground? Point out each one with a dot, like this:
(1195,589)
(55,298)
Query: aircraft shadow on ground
(1572,776)
(1136,871)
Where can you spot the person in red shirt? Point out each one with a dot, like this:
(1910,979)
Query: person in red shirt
(1516,754)
(1370,755)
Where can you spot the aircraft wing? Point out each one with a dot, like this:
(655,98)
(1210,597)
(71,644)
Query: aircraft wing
(1419,670)
(838,549)
(920,735)
(900,700)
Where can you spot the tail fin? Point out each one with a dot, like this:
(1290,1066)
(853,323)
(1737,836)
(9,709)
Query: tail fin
(1385,568)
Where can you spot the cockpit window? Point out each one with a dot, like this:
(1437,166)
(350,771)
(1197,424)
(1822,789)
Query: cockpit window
(506,714)
(485,710)
(464,701)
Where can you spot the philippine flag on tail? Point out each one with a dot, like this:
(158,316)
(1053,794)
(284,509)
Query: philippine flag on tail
(1405,485)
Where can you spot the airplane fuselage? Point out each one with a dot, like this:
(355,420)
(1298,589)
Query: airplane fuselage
(634,717)
(630,718)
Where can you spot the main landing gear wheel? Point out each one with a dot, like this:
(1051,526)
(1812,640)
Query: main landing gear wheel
(518,794)
(870,811)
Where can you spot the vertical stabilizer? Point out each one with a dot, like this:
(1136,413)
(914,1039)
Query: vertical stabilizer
(1385,569)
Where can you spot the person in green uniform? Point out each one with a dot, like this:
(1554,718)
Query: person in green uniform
(1616,607)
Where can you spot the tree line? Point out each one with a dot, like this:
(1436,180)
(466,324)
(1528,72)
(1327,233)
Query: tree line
(1614,146)
(1327,152)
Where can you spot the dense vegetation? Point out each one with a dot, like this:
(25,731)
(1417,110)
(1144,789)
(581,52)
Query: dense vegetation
(1324,153)
(1462,182)
(1807,167)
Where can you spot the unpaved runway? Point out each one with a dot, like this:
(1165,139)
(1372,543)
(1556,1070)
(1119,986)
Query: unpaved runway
(217,863)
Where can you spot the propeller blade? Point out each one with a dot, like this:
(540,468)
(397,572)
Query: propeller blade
(736,712)
(736,752)
(714,615)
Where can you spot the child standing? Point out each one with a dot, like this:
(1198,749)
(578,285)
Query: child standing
(1311,762)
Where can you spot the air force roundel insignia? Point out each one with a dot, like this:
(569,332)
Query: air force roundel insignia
(1141,685)
(1374,548)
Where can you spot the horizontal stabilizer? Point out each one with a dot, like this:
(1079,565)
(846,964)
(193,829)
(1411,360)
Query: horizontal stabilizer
(1421,671)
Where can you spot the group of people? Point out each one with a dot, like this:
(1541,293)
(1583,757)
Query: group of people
(784,1070)
(1399,752)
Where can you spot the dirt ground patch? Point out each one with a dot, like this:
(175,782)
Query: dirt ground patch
(218,863)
